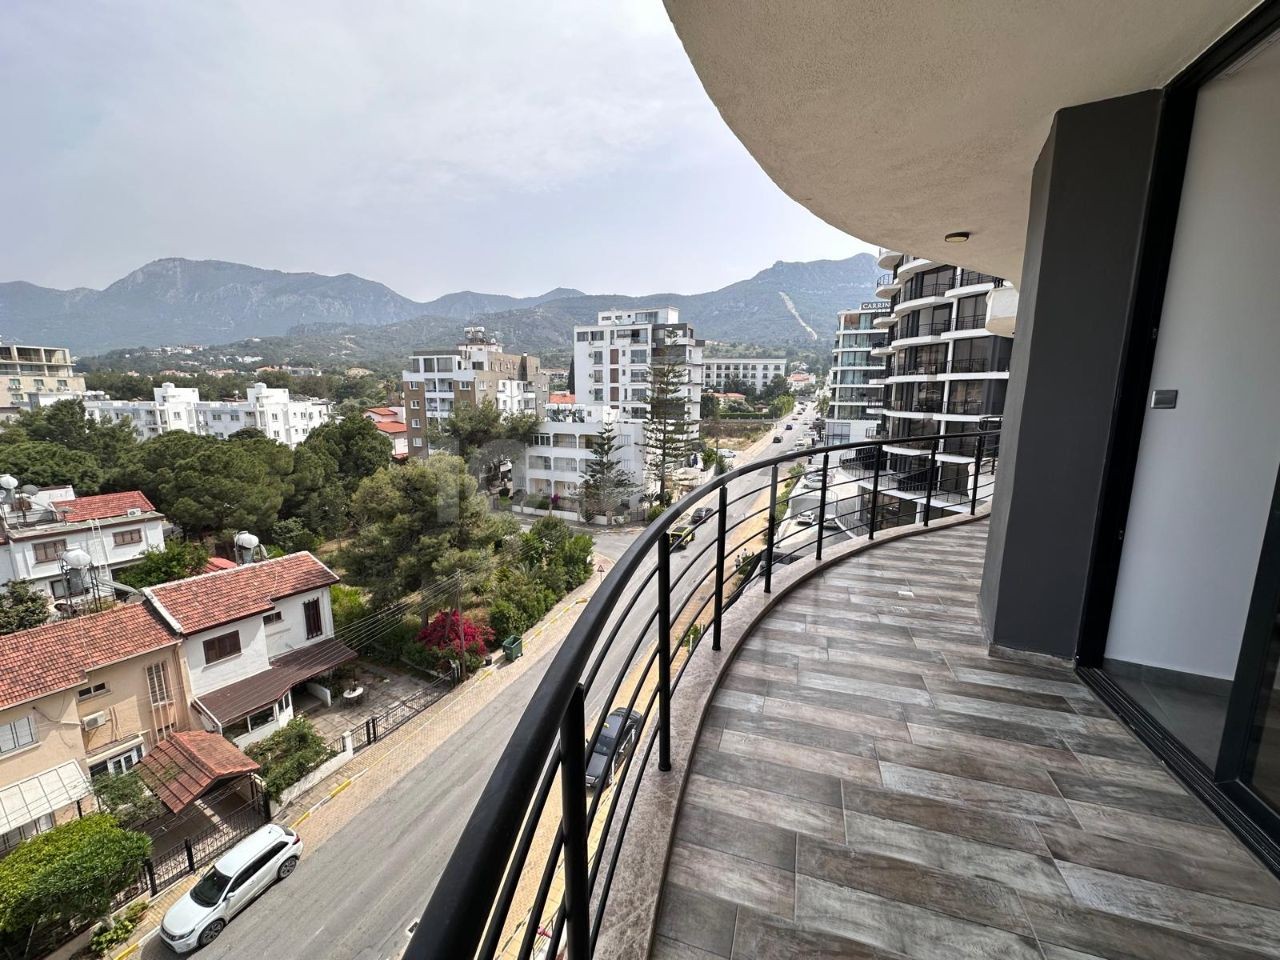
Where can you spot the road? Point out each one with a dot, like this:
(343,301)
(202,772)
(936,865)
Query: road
(355,895)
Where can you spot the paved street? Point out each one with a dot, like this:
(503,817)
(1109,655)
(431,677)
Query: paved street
(355,894)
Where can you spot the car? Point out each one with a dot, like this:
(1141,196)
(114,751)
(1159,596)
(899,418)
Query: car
(777,438)
(616,741)
(702,513)
(787,427)
(807,518)
(727,453)
(680,536)
(831,523)
(242,873)
(811,483)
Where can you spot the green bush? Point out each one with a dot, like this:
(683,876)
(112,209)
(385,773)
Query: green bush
(113,933)
(288,755)
(64,878)
(292,535)
(349,605)
(654,513)
(126,797)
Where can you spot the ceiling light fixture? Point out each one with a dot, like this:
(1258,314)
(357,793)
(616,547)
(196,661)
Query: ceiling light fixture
(960,236)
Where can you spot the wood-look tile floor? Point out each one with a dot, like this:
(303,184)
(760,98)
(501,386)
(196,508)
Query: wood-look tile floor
(871,784)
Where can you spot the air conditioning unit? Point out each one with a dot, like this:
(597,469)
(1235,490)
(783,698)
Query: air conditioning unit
(94,720)
(133,512)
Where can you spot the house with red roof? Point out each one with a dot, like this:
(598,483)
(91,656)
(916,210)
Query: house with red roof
(251,635)
(173,682)
(37,527)
(391,424)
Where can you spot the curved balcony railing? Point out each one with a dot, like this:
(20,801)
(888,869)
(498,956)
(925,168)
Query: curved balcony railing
(969,278)
(536,822)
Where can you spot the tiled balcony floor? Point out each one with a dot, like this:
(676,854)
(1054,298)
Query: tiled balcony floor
(870,783)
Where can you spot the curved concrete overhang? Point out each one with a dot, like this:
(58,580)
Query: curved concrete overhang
(899,123)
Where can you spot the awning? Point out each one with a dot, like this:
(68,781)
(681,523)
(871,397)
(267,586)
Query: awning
(185,765)
(45,793)
(237,700)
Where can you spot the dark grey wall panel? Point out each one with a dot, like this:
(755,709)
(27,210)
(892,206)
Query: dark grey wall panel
(1088,207)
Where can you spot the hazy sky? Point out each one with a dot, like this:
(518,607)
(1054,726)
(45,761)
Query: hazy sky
(502,146)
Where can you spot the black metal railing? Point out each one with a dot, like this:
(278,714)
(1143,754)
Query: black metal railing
(627,651)
(969,278)
(885,279)
(972,322)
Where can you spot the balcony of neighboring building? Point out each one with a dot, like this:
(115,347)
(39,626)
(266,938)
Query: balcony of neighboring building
(887,259)
(887,285)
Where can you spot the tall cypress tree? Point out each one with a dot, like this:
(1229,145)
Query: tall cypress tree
(605,481)
(670,435)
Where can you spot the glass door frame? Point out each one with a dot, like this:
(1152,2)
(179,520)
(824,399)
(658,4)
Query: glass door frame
(1222,789)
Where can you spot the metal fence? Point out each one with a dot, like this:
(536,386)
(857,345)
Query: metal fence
(378,725)
(167,867)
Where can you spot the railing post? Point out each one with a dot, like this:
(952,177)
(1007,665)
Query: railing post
(720,538)
(664,652)
(929,481)
(573,820)
(191,855)
(770,529)
(875,492)
(150,868)
(977,471)
(822,506)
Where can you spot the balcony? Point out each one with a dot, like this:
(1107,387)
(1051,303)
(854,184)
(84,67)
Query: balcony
(887,285)
(887,259)
(973,278)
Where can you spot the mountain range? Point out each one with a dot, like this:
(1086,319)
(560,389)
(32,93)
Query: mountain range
(203,302)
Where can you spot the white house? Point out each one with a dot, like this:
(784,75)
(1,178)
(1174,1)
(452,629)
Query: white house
(38,526)
(251,635)
(755,372)
(269,409)
(557,459)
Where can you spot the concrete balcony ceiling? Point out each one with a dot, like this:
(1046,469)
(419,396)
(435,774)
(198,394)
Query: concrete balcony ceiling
(947,102)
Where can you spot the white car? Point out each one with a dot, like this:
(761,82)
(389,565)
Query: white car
(239,875)
(807,518)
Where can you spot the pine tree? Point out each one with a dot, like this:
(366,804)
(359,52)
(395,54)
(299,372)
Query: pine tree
(669,433)
(605,481)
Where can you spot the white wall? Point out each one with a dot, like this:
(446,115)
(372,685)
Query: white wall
(291,632)
(1207,469)
(251,659)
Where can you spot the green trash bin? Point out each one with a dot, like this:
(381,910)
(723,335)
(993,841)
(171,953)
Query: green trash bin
(513,647)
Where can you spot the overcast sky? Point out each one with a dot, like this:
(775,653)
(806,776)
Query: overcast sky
(500,146)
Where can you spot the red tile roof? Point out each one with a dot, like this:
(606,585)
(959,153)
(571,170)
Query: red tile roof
(198,603)
(391,426)
(57,656)
(382,411)
(183,766)
(103,506)
(219,563)
(562,398)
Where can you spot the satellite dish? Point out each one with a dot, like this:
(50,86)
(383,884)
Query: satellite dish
(30,489)
(8,483)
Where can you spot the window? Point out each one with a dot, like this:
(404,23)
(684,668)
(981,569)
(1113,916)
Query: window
(126,537)
(274,617)
(221,647)
(17,734)
(158,683)
(415,404)
(417,441)
(415,423)
(118,764)
(311,613)
(217,416)
(85,693)
(48,552)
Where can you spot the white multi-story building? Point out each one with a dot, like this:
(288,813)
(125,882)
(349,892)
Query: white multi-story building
(475,371)
(39,526)
(857,373)
(557,459)
(613,359)
(724,373)
(945,373)
(272,410)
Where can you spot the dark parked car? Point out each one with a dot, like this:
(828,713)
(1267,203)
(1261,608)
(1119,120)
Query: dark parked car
(787,427)
(777,438)
(702,513)
(616,741)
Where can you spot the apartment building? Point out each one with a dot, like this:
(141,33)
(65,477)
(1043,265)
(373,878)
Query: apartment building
(36,377)
(731,373)
(39,526)
(856,381)
(474,371)
(272,410)
(81,698)
(557,459)
(614,358)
